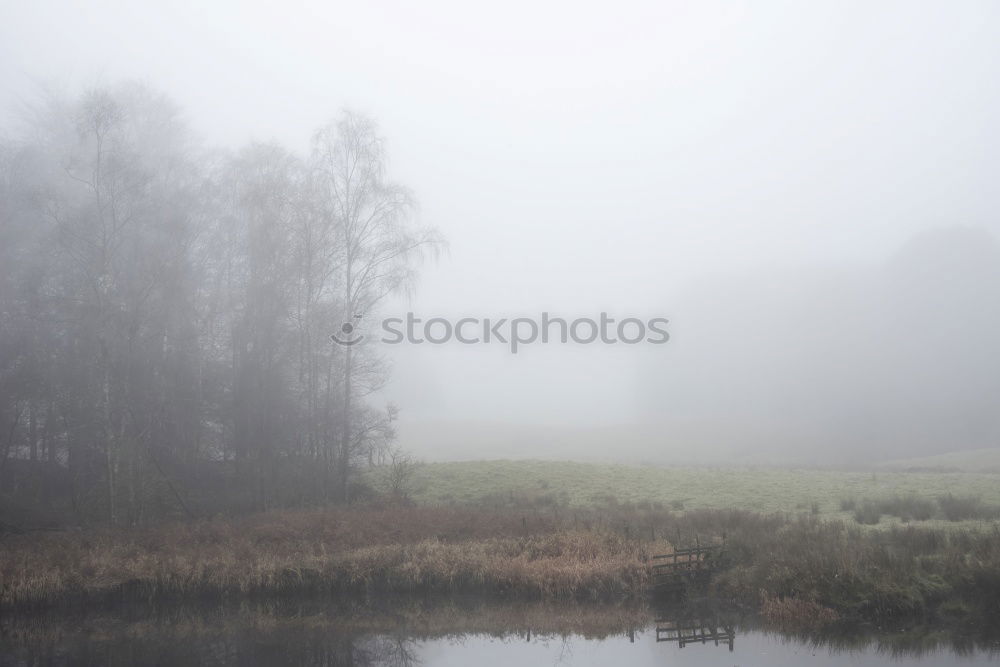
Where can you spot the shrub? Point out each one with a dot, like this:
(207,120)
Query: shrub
(959,508)
(907,508)
(868,513)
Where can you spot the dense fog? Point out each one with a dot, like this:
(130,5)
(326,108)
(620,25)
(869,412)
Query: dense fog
(193,200)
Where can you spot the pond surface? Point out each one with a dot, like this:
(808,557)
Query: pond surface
(461,633)
(750,648)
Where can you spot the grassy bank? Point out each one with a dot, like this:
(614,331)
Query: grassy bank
(356,550)
(558,553)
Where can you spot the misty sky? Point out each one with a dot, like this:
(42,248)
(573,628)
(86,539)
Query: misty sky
(582,157)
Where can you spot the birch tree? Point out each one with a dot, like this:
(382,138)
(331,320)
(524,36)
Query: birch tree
(380,248)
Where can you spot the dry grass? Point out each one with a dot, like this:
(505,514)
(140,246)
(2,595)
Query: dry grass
(406,549)
(561,565)
(552,555)
(795,614)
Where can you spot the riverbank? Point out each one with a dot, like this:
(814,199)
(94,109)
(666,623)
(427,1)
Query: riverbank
(826,570)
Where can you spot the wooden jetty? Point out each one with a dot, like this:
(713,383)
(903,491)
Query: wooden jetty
(682,567)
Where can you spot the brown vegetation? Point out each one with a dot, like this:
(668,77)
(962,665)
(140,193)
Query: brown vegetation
(361,550)
(802,562)
(795,613)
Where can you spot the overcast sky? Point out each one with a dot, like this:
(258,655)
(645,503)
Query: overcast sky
(580,156)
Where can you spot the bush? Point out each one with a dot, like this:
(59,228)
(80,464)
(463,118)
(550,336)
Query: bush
(908,508)
(959,508)
(868,513)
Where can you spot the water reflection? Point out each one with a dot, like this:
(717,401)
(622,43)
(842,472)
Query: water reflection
(415,632)
(693,631)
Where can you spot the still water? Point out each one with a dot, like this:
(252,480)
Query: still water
(751,648)
(463,633)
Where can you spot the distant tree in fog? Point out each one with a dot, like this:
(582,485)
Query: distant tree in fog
(165,311)
(378,249)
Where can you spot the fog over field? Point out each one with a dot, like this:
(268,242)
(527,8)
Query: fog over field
(806,191)
(442,332)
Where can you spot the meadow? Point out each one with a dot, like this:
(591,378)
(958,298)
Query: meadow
(766,490)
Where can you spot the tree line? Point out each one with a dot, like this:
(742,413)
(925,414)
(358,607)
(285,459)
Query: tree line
(166,312)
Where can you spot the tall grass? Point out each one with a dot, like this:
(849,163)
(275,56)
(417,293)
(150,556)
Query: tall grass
(402,549)
(556,553)
(900,571)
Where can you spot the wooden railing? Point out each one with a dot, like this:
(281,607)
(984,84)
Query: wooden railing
(684,565)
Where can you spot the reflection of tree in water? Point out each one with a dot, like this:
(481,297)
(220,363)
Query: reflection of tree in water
(324,635)
(328,649)
(906,642)
(565,656)
(385,651)
(315,646)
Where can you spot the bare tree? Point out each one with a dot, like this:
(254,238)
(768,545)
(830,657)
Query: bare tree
(402,468)
(379,246)
(165,311)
